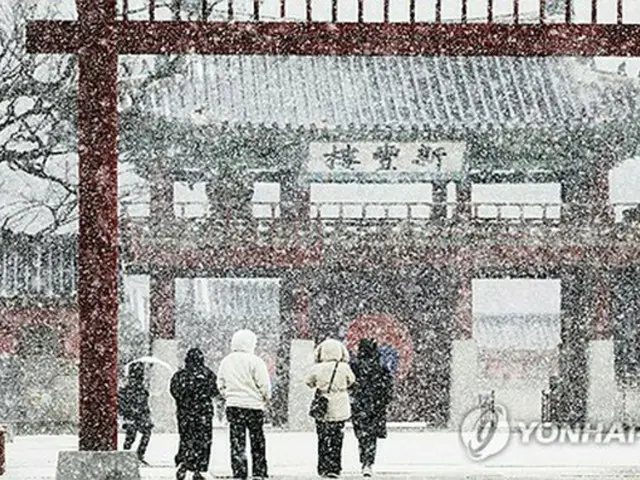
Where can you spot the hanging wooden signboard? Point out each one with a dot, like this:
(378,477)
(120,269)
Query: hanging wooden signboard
(385,161)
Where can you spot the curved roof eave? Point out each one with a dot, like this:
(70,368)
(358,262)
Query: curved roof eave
(397,92)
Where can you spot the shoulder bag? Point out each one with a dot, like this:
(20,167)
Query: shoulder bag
(320,403)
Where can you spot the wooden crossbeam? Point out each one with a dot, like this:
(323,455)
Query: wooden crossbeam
(275,38)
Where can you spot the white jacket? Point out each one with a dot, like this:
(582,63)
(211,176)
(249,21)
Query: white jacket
(243,379)
(330,355)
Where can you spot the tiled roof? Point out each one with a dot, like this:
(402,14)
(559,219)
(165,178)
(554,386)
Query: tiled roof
(32,267)
(41,270)
(237,298)
(517,332)
(429,92)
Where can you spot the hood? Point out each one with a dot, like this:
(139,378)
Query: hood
(368,350)
(244,341)
(194,359)
(332,350)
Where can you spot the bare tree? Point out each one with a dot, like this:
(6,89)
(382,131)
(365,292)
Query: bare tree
(194,10)
(38,120)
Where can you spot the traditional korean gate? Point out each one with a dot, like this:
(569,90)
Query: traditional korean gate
(99,36)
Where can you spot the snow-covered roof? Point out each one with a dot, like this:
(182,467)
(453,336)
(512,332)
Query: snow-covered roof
(38,268)
(238,298)
(428,92)
(517,331)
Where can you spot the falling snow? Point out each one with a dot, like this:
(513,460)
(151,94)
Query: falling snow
(400,208)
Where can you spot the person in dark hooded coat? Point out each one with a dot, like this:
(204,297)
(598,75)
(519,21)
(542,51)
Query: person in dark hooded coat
(133,406)
(193,389)
(371,395)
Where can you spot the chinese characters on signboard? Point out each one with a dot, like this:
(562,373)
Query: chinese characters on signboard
(386,157)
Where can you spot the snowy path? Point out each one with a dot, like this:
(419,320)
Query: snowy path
(428,455)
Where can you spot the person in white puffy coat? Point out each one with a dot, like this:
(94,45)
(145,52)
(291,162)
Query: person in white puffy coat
(243,381)
(331,355)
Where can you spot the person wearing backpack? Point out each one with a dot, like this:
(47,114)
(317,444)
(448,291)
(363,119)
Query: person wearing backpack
(331,377)
(133,407)
(370,397)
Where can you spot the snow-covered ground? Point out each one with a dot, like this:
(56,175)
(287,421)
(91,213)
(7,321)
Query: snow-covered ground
(405,454)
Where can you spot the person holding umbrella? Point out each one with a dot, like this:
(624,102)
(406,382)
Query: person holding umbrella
(133,407)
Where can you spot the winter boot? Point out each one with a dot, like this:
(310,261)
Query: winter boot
(181,474)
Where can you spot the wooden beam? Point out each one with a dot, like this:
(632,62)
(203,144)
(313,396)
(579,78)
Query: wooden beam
(161,196)
(575,332)
(315,38)
(463,328)
(600,304)
(162,304)
(439,194)
(45,36)
(98,244)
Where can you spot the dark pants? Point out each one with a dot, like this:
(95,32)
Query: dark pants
(241,420)
(330,436)
(196,439)
(131,430)
(367,443)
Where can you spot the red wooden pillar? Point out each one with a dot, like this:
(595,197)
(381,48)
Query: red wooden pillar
(295,198)
(98,204)
(462,330)
(575,333)
(301,313)
(601,323)
(161,195)
(3,440)
(162,304)
(574,190)
(439,195)
(585,195)
(303,204)
(463,199)
(602,212)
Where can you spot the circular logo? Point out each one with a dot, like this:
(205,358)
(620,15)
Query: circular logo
(484,432)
